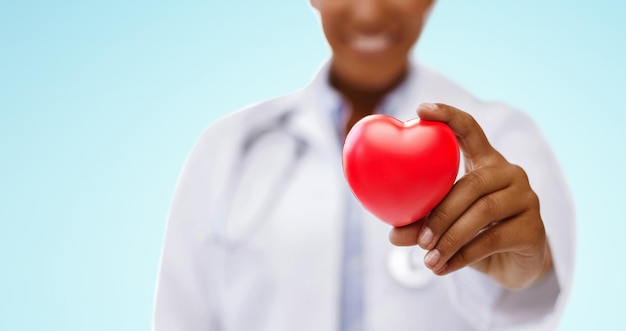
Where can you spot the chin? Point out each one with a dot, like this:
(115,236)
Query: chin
(377,78)
(369,72)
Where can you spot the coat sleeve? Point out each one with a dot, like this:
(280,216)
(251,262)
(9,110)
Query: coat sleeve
(481,301)
(187,287)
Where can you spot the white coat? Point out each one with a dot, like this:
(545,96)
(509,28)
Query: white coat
(253,240)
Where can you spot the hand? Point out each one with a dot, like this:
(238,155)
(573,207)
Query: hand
(490,218)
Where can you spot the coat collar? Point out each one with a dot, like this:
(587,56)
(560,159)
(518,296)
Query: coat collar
(319,103)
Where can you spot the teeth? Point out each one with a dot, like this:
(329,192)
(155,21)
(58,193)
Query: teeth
(370,44)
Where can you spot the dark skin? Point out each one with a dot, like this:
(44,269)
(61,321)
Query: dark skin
(490,219)
(362,101)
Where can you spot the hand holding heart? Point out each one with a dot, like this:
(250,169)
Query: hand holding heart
(490,218)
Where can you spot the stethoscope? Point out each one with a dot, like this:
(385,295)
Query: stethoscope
(405,264)
(250,218)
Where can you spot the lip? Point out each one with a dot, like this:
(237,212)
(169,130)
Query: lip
(371,44)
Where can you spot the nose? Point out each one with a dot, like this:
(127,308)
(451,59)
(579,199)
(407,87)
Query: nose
(368,15)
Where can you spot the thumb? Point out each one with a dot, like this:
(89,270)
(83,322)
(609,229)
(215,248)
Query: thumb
(472,140)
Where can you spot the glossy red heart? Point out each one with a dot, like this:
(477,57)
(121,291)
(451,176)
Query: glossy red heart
(399,170)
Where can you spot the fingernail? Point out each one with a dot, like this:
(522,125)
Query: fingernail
(428,106)
(425,237)
(432,258)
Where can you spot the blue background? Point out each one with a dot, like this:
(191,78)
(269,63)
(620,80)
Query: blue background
(100,103)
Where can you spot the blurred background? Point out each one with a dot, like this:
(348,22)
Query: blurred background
(101,102)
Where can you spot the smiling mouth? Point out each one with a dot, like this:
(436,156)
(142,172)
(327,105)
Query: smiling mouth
(371,44)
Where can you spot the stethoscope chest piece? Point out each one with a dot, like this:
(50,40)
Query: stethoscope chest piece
(406,266)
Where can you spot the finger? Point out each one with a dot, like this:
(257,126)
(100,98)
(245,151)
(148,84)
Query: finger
(472,139)
(499,238)
(480,217)
(406,235)
(506,236)
(463,194)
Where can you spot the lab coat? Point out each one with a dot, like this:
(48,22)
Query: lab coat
(266,255)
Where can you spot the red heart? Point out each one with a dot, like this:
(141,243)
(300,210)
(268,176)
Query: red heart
(399,170)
